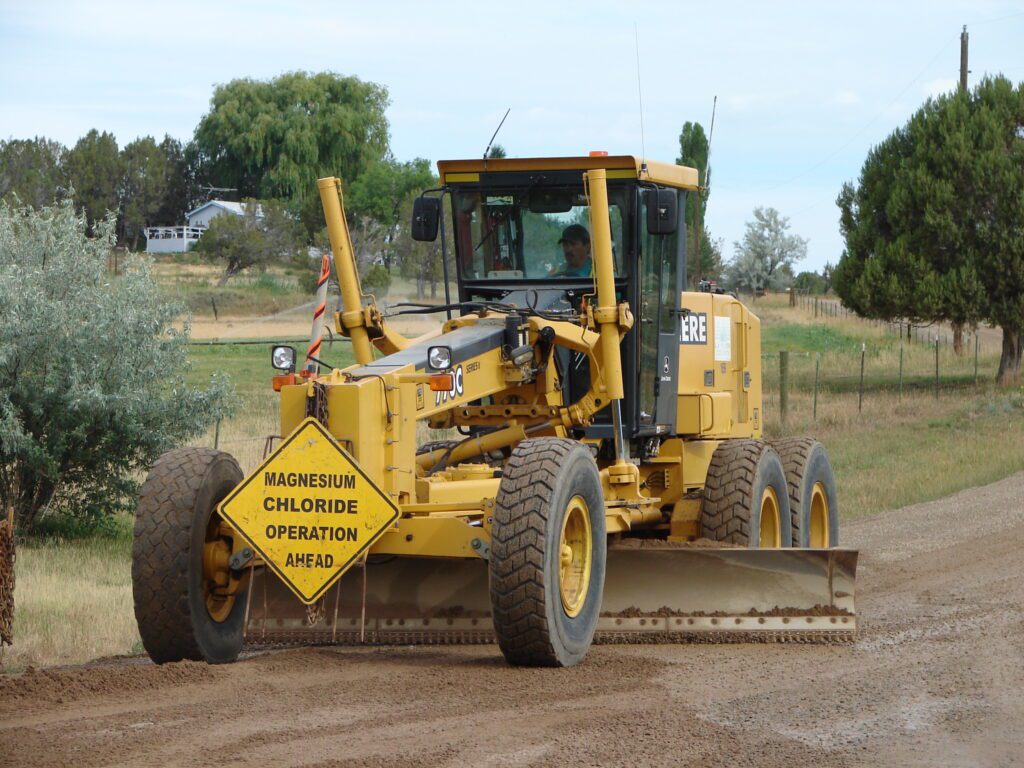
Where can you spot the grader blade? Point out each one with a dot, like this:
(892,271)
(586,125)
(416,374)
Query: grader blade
(653,594)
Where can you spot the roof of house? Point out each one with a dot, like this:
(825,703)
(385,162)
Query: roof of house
(228,205)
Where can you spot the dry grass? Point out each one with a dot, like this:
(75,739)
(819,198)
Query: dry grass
(73,602)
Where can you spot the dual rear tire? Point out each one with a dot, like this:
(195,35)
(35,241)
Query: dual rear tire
(762,495)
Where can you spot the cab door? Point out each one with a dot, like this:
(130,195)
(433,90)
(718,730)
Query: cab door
(662,274)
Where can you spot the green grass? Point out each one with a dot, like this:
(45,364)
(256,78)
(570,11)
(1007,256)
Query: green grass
(808,338)
(248,365)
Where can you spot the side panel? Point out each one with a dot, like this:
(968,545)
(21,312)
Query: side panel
(719,375)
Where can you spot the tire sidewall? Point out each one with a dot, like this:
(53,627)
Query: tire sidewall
(219,642)
(572,636)
(818,469)
(770,473)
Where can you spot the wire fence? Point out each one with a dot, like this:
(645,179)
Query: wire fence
(906,359)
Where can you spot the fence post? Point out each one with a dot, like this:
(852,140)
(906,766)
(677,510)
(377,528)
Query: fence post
(900,398)
(975,358)
(936,366)
(817,367)
(216,436)
(815,306)
(860,396)
(783,385)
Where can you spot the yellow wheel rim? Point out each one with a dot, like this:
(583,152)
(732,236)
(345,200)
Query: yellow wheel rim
(770,533)
(819,518)
(216,576)
(576,554)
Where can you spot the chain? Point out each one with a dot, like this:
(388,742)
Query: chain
(316,406)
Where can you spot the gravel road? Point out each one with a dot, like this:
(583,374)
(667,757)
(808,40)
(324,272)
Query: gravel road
(936,678)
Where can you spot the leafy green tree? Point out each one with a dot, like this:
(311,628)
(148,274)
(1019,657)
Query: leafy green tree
(92,370)
(94,171)
(378,195)
(32,170)
(765,257)
(694,153)
(496,152)
(179,187)
(933,227)
(143,188)
(275,138)
(809,282)
(264,234)
(417,260)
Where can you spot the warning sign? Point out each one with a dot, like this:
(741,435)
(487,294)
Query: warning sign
(309,510)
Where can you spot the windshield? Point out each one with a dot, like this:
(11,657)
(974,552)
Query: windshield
(531,233)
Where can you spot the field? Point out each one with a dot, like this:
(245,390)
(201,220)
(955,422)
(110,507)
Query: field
(889,449)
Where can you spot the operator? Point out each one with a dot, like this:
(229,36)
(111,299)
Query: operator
(575,242)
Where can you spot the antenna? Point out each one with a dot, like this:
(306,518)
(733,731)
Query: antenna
(640,94)
(495,134)
(210,189)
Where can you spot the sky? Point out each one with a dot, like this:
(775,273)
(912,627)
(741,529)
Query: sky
(804,89)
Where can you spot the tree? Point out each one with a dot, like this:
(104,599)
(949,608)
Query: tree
(933,226)
(179,195)
(374,205)
(419,261)
(143,188)
(32,170)
(265,233)
(274,139)
(809,282)
(497,152)
(694,152)
(92,384)
(94,172)
(765,256)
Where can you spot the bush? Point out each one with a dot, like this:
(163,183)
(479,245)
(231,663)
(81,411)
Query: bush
(377,280)
(92,384)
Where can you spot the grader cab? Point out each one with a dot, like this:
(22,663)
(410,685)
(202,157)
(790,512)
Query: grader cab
(602,476)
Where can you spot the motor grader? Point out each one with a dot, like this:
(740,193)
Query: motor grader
(603,476)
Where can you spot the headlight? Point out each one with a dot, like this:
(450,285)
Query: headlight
(283,358)
(439,358)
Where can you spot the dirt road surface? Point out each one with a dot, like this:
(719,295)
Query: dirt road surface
(936,678)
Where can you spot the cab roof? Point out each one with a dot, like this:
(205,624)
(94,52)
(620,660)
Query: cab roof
(618,167)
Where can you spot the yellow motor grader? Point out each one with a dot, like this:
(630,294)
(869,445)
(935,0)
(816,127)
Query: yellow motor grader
(604,478)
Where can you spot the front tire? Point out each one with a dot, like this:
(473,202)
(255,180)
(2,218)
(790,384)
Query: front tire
(181,613)
(548,552)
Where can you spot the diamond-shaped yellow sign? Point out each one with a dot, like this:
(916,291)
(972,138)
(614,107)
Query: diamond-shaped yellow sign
(309,510)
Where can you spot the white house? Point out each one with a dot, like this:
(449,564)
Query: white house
(180,238)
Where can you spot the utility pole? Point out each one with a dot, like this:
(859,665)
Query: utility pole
(963,59)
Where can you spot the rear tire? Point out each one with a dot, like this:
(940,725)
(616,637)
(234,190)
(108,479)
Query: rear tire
(746,500)
(548,550)
(174,519)
(812,492)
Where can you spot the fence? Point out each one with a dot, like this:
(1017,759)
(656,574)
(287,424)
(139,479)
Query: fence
(914,333)
(914,359)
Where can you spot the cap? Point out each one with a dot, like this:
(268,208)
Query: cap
(575,233)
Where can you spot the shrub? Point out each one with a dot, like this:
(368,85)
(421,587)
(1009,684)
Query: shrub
(92,384)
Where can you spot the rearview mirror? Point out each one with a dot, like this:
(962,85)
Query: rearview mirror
(662,211)
(551,202)
(426,215)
